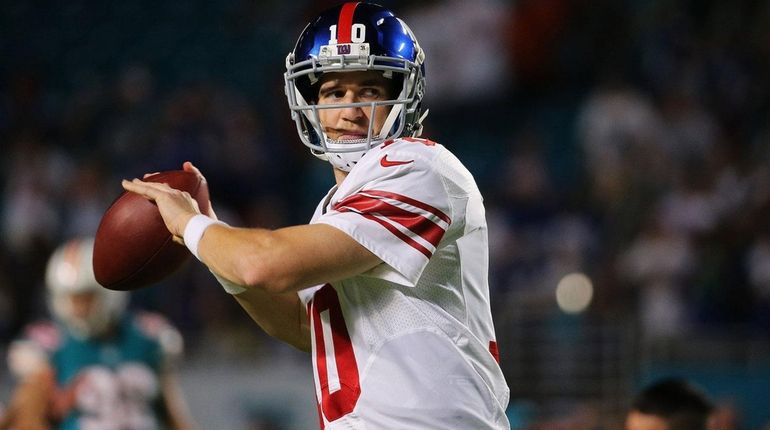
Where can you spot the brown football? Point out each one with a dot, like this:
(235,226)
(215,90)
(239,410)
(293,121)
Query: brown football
(132,248)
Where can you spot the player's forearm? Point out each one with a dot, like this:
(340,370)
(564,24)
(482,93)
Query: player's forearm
(252,258)
(280,315)
(284,260)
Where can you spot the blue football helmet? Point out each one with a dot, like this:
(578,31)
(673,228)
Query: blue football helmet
(355,36)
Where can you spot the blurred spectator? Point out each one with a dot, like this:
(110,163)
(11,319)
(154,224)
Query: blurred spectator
(621,135)
(758,268)
(523,211)
(669,404)
(468,51)
(32,185)
(535,32)
(85,198)
(657,265)
(130,120)
(689,206)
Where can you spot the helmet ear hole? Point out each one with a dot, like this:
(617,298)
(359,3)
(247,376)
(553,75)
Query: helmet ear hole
(312,134)
(308,91)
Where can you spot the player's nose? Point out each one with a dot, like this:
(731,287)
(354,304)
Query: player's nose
(351,113)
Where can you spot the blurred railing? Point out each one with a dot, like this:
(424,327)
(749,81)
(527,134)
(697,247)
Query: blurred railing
(561,361)
(562,364)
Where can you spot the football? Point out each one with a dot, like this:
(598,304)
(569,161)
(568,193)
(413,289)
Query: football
(132,247)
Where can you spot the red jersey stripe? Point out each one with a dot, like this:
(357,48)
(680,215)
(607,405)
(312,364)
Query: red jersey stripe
(408,200)
(396,232)
(416,223)
(408,240)
(494,351)
(345,22)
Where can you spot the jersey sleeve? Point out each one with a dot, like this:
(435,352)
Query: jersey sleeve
(395,206)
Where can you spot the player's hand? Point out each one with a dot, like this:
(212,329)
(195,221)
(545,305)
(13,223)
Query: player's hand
(176,207)
(205,208)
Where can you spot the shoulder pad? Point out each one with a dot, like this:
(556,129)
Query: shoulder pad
(32,352)
(156,326)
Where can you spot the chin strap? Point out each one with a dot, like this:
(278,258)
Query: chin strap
(417,128)
(387,126)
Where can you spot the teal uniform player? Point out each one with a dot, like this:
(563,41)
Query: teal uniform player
(95,366)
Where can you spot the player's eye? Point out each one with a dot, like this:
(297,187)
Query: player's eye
(371,93)
(332,94)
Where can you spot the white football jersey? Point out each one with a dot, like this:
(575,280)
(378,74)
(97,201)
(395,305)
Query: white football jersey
(409,344)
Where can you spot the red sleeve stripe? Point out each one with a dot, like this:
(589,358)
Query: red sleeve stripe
(391,227)
(408,240)
(424,227)
(420,219)
(408,200)
(345,22)
(410,209)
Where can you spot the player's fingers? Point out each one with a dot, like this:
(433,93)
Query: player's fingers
(149,174)
(188,166)
(160,186)
(206,207)
(146,189)
(134,187)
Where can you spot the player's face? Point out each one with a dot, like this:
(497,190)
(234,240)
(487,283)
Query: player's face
(353,87)
(83,304)
(639,421)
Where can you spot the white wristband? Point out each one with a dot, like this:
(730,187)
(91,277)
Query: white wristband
(229,287)
(194,231)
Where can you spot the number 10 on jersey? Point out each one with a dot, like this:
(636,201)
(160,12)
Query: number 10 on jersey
(334,361)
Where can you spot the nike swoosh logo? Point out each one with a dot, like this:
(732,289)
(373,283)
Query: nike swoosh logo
(384,162)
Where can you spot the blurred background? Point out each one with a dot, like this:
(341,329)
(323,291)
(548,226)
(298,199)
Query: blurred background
(623,148)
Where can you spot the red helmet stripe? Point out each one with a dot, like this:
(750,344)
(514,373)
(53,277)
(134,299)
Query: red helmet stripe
(345,22)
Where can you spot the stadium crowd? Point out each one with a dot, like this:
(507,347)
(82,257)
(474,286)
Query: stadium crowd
(629,141)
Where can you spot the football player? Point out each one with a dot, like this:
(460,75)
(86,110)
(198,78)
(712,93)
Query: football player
(387,284)
(95,366)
